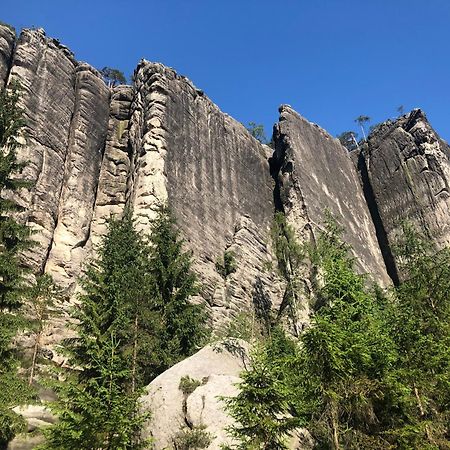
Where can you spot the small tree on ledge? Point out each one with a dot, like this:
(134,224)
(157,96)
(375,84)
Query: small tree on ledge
(112,76)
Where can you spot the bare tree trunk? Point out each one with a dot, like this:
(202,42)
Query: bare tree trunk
(134,362)
(35,352)
(422,413)
(334,427)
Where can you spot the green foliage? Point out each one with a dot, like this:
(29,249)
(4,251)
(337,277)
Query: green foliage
(290,257)
(14,238)
(41,301)
(227,265)
(97,405)
(420,325)
(257,131)
(346,354)
(113,76)
(261,409)
(192,438)
(188,385)
(182,326)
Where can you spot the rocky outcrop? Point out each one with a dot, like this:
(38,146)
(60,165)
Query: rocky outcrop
(45,71)
(314,173)
(7,39)
(215,371)
(405,170)
(91,151)
(214,175)
(81,175)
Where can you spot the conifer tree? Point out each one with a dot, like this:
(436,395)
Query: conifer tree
(98,407)
(262,408)
(14,238)
(181,326)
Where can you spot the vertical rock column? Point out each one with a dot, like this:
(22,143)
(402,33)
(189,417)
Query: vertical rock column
(115,168)
(45,70)
(86,144)
(405,168)
(315,174)
(148,142)
(7,39)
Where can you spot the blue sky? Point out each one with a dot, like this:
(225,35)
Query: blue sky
(332,60)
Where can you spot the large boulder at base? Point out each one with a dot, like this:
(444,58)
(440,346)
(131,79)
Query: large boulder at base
(175,413)
(216,368)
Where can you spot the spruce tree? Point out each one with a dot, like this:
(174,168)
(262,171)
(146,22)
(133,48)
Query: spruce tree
(181,326)
(97,405)
(420,326)
(262,409)
(14,238)
(346,354)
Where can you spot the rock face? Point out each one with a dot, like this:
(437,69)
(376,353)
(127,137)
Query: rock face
(405,170)
(7,38)
(314,174)
(216,370)
(92,150)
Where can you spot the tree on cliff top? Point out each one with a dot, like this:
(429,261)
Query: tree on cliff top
(113,76)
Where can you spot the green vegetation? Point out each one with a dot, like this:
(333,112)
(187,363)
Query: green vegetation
(371,370)
(188,385)
(134,321)
(14,238)
(362,121)
(192,438)
(227,265)
(112,76)
(349,140)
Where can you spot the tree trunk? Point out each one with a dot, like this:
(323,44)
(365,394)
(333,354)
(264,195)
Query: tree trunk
(134,362)
(35,352)
(334,427)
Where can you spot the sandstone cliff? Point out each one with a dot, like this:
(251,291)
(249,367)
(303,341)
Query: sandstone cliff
(92,150)
(405,170)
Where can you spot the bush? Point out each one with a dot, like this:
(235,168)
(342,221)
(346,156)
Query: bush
(188,385)
(193,438)
(228,264)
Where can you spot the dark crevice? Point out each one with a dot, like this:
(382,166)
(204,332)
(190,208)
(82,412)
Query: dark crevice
(275,164)
(380,231)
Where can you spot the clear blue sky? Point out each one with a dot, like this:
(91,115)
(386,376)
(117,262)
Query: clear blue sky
(332,60)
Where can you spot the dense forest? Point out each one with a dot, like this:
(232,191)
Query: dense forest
(370,371)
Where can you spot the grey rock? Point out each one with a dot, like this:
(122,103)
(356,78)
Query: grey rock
(86,144)
(46,74)
(7,39)
(315,174)
(217,367)
(405,170)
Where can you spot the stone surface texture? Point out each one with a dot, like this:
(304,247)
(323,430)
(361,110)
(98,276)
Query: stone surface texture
(405,169)
(7,39)
(217,368)
(315,173)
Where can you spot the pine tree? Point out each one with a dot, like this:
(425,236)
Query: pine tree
(262,408)
(98,405)
(420,325)
(346,354)
(181,326)
(14,238)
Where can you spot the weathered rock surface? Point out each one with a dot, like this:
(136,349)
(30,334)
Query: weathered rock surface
(7,38)
(405,170)
(315,174)
(92,150)
(86,143)
(45,70)
(217,368)
(213,174)
(36,417)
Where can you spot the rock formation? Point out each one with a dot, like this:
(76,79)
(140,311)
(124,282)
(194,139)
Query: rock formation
(405,170)
(92,151)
